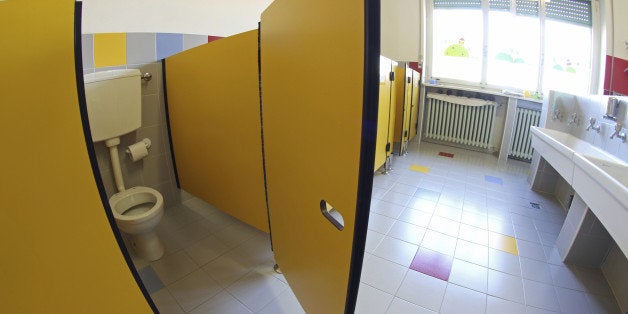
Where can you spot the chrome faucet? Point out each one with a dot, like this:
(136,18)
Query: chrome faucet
(573,120)
(619,133)
(557,114)
(592,125)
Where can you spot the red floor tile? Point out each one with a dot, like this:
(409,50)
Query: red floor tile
(450,155)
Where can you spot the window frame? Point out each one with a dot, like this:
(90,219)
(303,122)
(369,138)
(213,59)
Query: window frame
(595,61)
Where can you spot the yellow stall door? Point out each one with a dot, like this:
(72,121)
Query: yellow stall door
(319,105)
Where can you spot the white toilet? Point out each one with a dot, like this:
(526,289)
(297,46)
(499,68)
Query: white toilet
(114,108)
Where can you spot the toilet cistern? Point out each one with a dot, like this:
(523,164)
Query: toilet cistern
(114,109)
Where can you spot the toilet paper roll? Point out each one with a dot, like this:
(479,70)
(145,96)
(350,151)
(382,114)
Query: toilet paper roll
(138,150)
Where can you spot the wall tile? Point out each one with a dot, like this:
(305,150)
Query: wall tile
(213,38)
(168,44)
(87,47)
(109,49)
(155,84)
(140,48)
(151,111)
(191,41)
(156,170)
(153,133)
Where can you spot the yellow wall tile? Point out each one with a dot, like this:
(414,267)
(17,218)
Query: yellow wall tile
(109,49)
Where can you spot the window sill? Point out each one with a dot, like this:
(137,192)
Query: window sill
(483,90)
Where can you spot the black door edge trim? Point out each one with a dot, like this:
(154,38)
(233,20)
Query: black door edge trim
(367,149)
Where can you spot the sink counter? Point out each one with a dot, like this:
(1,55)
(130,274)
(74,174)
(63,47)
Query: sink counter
(603,185)
(600,178)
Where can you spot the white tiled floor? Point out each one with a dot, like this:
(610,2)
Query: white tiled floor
(217,264)
(456,212)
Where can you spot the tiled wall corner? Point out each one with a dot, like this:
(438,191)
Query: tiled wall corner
(155,170)
(141,51)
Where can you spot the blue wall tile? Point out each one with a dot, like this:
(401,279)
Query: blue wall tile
(168,44)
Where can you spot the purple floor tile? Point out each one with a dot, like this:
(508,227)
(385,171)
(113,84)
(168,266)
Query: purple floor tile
(492,179)
(432,263)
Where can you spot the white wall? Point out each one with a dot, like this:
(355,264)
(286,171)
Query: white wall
(401,29)
(203,17)
(620,9)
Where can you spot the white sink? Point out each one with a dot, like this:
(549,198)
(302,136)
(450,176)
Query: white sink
(558,148)
(603,185)
(600,178)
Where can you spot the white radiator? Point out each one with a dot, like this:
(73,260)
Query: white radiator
(520,141)
(459,120)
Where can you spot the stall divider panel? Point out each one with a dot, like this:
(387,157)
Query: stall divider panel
(383,116)
(319,62)
(399,86)
(393,109)
(214,117)
(414,117)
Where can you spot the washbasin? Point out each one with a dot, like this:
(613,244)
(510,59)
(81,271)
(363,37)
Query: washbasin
(600,178)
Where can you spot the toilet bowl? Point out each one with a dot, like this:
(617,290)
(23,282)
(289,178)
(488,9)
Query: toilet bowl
(137,212)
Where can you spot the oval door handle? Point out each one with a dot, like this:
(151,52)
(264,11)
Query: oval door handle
(333,215)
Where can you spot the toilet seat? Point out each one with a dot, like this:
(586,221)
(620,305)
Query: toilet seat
(121,202)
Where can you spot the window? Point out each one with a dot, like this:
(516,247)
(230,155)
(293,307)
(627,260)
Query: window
(524,44)
(458,47)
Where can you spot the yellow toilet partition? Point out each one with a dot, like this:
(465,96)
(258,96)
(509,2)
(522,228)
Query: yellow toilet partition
(383,144)
(214,117)
(414,111)
(318,75)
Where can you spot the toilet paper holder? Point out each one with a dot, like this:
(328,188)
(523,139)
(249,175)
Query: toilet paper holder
(137,154)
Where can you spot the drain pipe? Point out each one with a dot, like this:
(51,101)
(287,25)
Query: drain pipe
(113,143)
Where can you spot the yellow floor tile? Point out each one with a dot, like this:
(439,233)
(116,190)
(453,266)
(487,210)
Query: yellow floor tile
(418,168)
(503,243)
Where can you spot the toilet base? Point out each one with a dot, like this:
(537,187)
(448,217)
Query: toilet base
(147,245)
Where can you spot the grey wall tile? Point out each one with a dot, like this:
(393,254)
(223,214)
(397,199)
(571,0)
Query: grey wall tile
(153,133)
(133,173)
(151,110)
(87,47)
(191,41)
(156,170)
(140,48)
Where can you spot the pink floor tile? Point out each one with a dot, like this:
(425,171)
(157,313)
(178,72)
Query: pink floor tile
(432,263)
